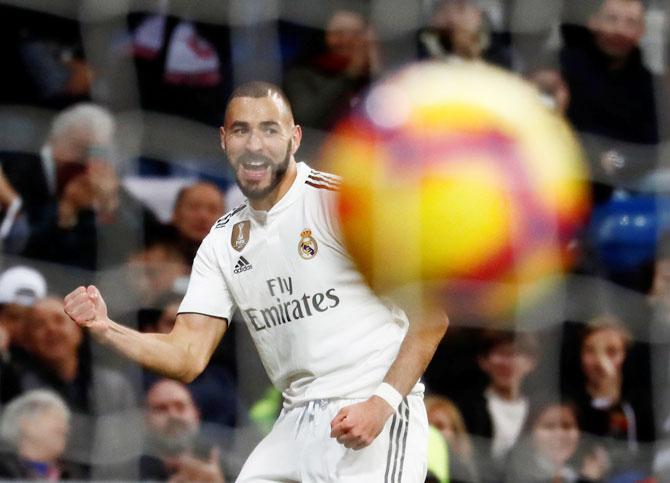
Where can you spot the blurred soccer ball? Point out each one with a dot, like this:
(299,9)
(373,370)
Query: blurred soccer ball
(459,176)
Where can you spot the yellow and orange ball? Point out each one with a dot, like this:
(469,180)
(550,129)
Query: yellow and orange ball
(459,176)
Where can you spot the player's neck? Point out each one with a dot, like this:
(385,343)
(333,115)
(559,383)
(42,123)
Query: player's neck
(272,198)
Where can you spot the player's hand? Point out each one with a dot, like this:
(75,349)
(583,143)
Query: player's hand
(87,308)
(358,425)
(188,468)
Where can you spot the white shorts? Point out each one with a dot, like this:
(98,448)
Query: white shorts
(299,448)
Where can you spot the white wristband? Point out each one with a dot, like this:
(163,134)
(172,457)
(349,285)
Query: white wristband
(389,394)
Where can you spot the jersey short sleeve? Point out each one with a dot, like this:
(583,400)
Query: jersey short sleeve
(207,292)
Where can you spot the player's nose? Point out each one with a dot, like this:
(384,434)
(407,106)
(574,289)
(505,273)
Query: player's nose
(254,142)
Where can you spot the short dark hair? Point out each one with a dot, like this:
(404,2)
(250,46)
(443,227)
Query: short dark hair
(524,342)
(258,89)
(184,190)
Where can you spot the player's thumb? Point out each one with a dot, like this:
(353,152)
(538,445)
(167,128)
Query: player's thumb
(339,417)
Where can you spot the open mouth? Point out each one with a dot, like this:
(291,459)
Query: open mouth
(254,170)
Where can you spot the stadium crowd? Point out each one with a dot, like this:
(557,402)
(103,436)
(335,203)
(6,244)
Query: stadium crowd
(101,183)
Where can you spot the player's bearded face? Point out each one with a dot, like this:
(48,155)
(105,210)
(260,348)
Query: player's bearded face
(258,175)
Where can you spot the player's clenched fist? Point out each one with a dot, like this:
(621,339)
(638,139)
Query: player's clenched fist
(86,307)
(356,426)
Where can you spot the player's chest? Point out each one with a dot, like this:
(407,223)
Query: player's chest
(278,255)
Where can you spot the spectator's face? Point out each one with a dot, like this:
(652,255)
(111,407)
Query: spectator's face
(465,29)
(345,33)
(506,366)
(440,419)
(200,206)
(154,271)
(53,336)
(43,436)
(603,353)
(14,318)
(555,434)
(260,139)
(74,151)
(171,417)
(618,27)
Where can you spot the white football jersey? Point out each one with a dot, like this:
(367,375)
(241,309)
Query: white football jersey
(320,331)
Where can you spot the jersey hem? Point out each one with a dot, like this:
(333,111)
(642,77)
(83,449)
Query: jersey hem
(206,315)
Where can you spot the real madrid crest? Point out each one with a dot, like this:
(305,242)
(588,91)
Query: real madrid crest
(239,237)
(307,246)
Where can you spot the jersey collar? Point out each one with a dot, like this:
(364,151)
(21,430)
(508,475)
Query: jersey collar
(289,197)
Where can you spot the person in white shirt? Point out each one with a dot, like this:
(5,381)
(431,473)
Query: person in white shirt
(347,364)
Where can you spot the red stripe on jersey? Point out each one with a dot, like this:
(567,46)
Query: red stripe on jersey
(320,186)
(326,181)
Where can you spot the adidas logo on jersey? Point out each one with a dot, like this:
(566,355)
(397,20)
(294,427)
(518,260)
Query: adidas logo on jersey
(242,265)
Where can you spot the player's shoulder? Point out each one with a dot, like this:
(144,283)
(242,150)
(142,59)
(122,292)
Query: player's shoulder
(230,216)
(321,180)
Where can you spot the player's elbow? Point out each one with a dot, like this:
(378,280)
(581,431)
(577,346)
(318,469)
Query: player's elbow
(189,374)
(191,368)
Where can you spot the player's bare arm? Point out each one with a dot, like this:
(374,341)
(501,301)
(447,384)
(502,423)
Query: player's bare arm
(182,354)
(356,426)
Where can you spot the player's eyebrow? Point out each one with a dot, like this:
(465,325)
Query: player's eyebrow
(239,124)
(245,124)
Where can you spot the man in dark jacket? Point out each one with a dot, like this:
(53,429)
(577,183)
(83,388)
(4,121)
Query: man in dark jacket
(612,93)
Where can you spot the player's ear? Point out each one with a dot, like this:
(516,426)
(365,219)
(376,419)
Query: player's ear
(296,137)
(222,135)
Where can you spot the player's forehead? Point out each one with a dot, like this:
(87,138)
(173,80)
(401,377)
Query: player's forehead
(255,110)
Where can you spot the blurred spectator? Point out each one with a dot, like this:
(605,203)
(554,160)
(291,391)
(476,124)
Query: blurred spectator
(80,213)
(176,449)
(613,102)
(43,57)
(553,89)
(20,287)
(196,209)
(214,391)
(445,416)
(163,266)
(81,132)
(619,415)
(101,399)
(496,415)
(14,226)
(325,86)
(548,449)
(34,429)
(154,271)
(459,30)
(183,66)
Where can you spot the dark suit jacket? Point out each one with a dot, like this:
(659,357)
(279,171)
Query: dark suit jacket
(26,174)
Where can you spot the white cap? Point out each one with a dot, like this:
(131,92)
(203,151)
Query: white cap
(22,285)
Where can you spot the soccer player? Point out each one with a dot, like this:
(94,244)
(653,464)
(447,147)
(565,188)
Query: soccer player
(348,365)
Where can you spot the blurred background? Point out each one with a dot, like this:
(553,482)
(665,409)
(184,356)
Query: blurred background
(112,174)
